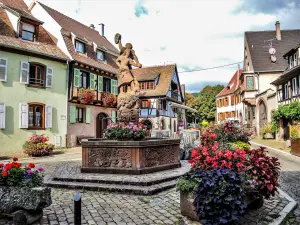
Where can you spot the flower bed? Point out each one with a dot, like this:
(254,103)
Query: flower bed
(37,146)
(225,180)
(23,195)
(118,131)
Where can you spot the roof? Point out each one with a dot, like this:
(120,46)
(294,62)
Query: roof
(90,59)
(166,73)
(8,40)
(79,29)
(20,7)
(260,53)
(233,84)
(287,75)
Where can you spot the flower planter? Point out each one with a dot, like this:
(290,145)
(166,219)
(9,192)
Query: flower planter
(187,208)
(25,205)
(295,147)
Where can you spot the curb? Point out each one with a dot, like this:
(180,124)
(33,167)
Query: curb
(286,210)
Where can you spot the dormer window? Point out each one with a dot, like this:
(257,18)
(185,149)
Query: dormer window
(80,47)
(100,55)
(293,60)
(28,32)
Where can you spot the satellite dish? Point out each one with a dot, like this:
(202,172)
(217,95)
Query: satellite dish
(273,58)
(272,51)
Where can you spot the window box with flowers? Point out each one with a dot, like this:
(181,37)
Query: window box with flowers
(86,96)
(109,100)
(23,195)
(239,178)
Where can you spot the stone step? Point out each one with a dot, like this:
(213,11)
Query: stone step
(115,179)
(120,188)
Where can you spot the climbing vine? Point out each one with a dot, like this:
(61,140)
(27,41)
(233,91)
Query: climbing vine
(290,111)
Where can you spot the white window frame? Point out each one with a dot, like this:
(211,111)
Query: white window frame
(97,55)
(286,91)
(6,68)
(83,44)
(294,86)
(295,59)
(291,61)
(2,115)
(49,76)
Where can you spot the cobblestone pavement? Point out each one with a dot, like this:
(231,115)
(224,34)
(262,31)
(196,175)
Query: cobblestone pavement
(121,209)
(290,180)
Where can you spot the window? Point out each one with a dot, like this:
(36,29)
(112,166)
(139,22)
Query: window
(80,47)
(295,59)
(232,99)
(37,74)
(164,105)
(226,101)
(145,104)
(291,61)
(106,84)
(286,92)
(248,67)
(3,69)
(279,94)
(84,80)
(250,83)
(28,32)
(100,55)
(294,86)
(36,118)
(146,85)
(79,115)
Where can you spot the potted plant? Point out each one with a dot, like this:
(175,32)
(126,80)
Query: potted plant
(37,146)
(86,96)
(295,140)
(23,195)
(122,132)
(267,131)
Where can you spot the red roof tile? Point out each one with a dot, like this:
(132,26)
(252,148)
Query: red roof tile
(233,84)
(79,29)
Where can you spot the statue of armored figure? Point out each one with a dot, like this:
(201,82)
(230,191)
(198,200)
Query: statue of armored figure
(128,101)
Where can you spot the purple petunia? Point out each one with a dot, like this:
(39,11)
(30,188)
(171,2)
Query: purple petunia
(41,169)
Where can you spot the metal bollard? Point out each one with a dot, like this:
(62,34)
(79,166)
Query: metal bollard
(77,208)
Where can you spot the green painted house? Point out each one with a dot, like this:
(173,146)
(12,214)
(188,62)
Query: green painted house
(33,80)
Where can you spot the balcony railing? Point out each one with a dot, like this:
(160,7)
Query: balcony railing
(35,81)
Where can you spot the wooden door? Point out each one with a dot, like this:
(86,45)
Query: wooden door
(262,115)
(101,125)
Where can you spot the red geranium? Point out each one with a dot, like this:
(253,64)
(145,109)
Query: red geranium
(15,159)
(4,173)
(31,165)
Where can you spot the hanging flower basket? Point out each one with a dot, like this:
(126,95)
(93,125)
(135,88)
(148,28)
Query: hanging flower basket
(86,96)
(109,99)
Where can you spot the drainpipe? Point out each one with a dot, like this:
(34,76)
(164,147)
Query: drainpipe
(67,98)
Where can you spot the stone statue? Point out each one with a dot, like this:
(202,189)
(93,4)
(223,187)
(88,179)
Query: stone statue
(128,101)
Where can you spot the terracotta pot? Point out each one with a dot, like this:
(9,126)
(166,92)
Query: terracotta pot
(295,147)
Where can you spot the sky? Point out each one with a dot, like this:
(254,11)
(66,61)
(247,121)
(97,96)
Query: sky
(194,34)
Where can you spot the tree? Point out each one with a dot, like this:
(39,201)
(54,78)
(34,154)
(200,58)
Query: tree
(205,104)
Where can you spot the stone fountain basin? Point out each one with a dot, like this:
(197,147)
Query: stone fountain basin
(130,157)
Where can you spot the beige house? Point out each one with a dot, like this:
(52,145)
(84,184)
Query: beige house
(263,64)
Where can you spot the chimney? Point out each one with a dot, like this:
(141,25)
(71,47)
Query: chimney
(92,26)
(278,33)
(102,29)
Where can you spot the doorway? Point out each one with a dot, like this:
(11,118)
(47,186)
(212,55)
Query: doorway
(101,124)
(262,115)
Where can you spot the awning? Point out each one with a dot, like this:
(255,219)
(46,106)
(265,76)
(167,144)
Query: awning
(176,105)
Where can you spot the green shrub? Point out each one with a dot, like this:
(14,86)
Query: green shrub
(204,124)
(239,144)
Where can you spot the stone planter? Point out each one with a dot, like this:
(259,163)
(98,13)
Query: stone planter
(268,136)
(130,157)
(252,200)
(295,147)
(24,205)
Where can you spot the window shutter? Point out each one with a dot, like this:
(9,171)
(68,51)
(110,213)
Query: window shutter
(24,72)
(76,77)
(48,116)
(88,115)
(100,84)
(49,77)
(23,122)
(3,69)
(92,81)
(113,116)
(72,114)
(2,115)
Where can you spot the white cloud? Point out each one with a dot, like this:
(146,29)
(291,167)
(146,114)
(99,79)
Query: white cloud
(194,33)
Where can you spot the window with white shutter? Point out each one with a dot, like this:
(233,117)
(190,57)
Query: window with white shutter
(49,77)
(48,115)
(2,115)
(24,72)
(23,118)
(3,69)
